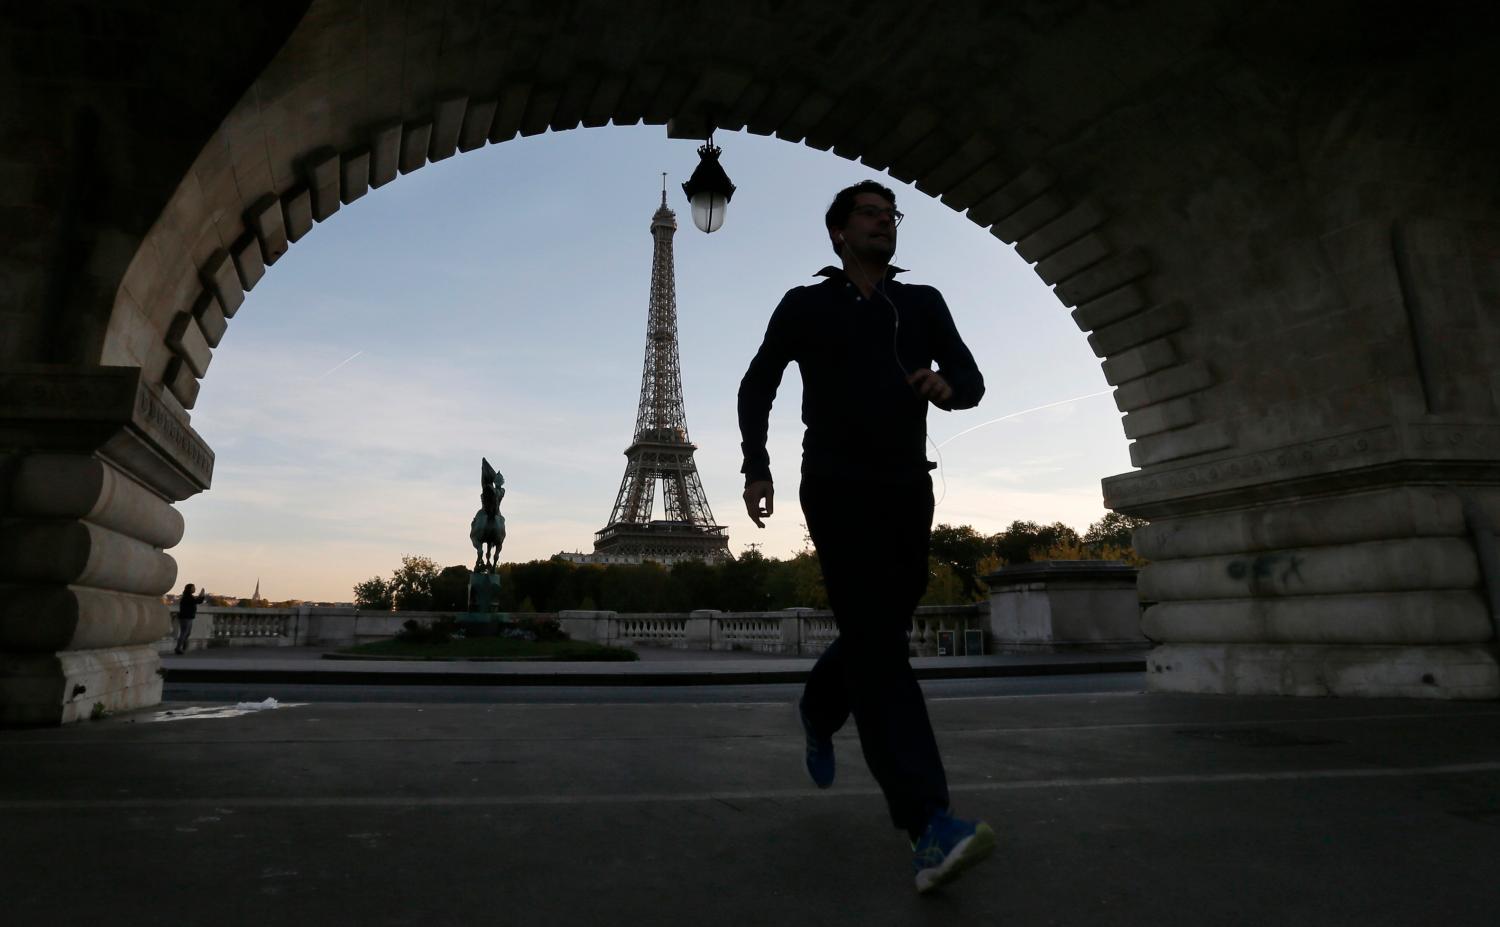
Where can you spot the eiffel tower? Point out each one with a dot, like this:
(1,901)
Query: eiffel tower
(660,451)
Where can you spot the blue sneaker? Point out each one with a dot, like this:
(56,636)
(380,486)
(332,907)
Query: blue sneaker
(819,754)
(947,848)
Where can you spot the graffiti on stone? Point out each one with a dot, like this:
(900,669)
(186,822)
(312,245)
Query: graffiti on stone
(1278,568)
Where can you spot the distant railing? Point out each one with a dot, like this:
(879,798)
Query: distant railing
(1051,605)
(796,631)
(756,633)
(654,629)
(255,625)
(791,632)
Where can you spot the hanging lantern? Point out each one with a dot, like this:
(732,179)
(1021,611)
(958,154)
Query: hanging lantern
(709,189)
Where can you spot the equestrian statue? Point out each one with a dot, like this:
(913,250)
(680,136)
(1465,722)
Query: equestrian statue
(487,530)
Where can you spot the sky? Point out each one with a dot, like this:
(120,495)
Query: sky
(494,305)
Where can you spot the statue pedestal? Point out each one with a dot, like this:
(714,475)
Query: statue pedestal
(482,619)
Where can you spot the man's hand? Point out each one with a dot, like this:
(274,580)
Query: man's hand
(930,386)
(759,501)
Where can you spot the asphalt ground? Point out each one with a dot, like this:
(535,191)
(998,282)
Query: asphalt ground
(750,692)
(1111,809)
(657,667)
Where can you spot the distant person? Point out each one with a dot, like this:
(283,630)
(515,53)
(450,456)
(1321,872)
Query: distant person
(187,610)
(865,345)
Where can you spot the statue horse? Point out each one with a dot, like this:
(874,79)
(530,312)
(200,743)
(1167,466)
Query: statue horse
(487,530)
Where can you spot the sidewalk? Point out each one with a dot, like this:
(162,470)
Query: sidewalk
(1167,811)
(656,667)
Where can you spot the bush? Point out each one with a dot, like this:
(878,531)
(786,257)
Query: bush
(440,631)
(541,628)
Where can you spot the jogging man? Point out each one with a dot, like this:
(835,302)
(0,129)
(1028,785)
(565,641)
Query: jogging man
(866,346)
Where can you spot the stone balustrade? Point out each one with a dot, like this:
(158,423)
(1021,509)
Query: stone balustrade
(792,632)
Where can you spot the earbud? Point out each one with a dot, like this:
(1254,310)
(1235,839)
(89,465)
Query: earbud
(841,237)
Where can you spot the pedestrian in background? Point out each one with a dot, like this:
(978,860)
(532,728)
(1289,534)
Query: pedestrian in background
(187,610)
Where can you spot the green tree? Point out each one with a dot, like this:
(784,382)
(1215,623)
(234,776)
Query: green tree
(809,589)
(450,589)
(961,548)
(696,584)
(635,587)
(411,585)
(745,581)
(1025,541)
(374,594)
(1113,530)
(944,585)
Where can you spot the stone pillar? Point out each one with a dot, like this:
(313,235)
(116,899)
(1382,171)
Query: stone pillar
(1057,605)
(701,625)
(1362,565)
(592,626)
(91,460)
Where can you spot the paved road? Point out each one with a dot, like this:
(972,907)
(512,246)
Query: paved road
(1112,809)
(935,688)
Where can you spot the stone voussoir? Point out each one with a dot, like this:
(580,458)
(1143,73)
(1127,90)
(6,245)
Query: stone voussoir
(1140,328)
(187,341)
(1107,275)
(220,276)
(1139,361)
(354,175)
(1060,232)
(1203,438)
(265,219)
(1168,383)
(1083,253)
(1162,416)
(1014,194)
(1111,307)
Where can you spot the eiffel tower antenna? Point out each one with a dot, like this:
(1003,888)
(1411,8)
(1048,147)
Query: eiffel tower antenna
(660,451)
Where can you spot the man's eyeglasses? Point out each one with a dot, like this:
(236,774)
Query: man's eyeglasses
(875,212)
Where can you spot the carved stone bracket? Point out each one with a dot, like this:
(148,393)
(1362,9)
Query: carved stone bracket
(110,411)
(1400,453)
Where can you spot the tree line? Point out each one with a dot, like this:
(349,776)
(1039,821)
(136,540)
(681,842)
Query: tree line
(960,558)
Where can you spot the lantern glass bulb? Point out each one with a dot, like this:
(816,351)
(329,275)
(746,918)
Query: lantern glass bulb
(708,210)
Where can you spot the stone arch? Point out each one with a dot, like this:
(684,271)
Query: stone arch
(262,182)
(1281,242)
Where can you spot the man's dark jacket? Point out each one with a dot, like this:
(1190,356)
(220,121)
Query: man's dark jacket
(187,606)
(864,421)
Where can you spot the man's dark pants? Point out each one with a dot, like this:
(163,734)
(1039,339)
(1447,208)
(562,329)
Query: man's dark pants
(872,541)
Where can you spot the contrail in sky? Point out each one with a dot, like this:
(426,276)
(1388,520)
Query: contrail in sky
(1060,402)
(340,364)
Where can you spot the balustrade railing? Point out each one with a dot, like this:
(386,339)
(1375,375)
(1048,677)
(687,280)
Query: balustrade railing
(253,625)
(793,632)
(757,633)
(654,629)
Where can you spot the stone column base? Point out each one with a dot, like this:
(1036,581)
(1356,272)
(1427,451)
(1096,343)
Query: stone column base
(1364,671)
(56,688)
